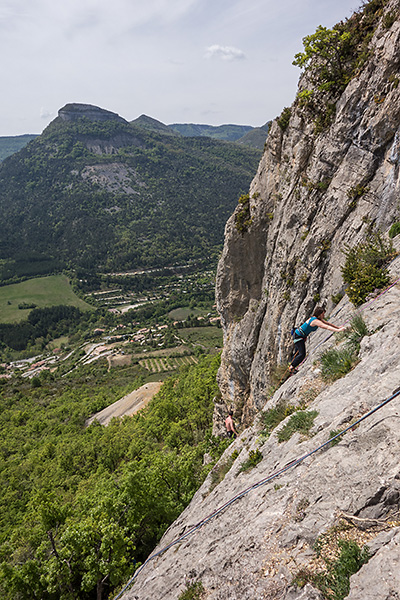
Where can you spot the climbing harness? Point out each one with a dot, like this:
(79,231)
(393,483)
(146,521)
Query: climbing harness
(260,483)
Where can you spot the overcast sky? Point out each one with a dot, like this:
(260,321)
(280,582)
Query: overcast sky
(178,61)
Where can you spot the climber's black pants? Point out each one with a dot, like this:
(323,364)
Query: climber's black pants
(299,351)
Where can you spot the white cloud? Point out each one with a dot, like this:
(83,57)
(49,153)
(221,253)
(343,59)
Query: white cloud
(224,52)
(46,114)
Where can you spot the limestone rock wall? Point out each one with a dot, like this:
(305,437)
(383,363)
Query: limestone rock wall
(303,213)
(76,111)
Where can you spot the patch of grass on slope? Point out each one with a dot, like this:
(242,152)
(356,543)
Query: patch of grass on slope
(42,292)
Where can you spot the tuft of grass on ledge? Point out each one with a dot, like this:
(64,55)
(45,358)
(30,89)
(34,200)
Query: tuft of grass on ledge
(301,421)
(336,363)
(273,416)
(255,456)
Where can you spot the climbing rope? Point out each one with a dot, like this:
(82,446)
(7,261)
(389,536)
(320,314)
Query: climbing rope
(260,483)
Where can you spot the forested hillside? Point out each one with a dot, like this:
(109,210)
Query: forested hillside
(254,137)
(11,144)
(81,505)
(105,194)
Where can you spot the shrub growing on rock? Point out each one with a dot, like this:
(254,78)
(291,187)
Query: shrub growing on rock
(394,230)
(365,268)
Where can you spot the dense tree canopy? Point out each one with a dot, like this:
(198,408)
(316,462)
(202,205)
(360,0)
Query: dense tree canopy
(81,506)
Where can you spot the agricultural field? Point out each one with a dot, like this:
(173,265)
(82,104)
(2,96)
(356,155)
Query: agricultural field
(159,364)
(181,314)
(40,292)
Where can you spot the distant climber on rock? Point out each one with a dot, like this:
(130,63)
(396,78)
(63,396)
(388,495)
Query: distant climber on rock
(301,333)
(230,426)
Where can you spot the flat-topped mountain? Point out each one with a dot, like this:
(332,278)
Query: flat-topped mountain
(76,111)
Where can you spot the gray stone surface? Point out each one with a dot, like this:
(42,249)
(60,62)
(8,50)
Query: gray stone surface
(268,277)
(380,578)
(75,111)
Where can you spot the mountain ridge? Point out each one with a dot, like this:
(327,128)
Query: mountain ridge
(95,191)
(241,133)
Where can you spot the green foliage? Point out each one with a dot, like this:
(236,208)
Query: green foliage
(357,191)
(331,57)
(394,230)
(53,322)
(194,591)
(358,330)
(41,291)
(255,456)
(229,133)
(390,18)
(301,421)
(273,416)
(113,196)
(334,583)
(330,47)
(337,363)
(242,216)
(81,505)
(304,97)
(11,144)
(284,118)
(242,134)
(332,434)
(365,267)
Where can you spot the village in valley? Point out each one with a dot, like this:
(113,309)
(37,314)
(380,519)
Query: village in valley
(138,328)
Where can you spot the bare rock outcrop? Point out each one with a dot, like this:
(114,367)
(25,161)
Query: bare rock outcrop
(252,533)
(75,111)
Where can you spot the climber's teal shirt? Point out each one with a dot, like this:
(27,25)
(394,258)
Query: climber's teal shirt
(304,330)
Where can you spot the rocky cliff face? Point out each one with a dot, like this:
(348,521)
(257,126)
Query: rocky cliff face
(312,195)
(253,536)
(75,111)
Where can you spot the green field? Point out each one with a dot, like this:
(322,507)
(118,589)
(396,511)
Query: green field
(43,291)
(160,365)
(208,338)
(180,314)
